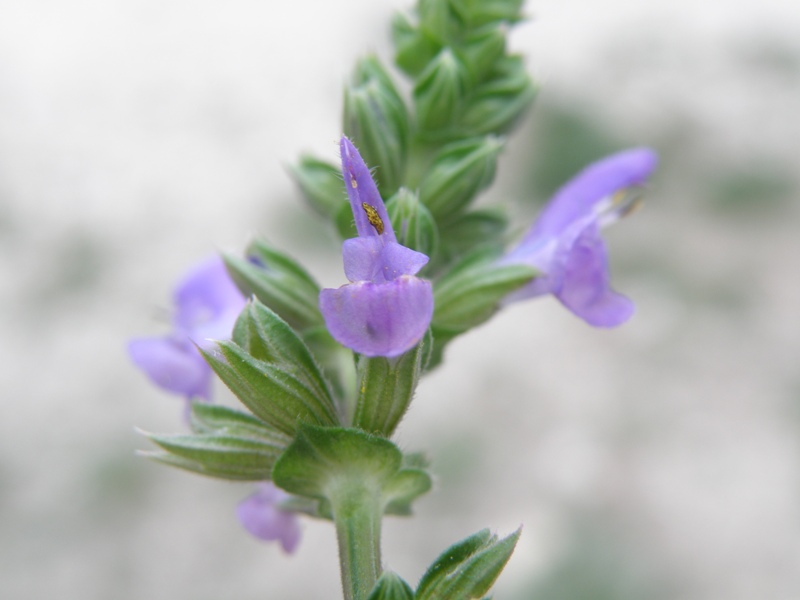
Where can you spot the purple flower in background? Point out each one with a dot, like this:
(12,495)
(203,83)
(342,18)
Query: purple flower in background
(564,243)
(261,516)
(207,305)
(385,310)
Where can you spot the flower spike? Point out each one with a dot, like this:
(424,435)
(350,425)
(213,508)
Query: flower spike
(385,310)
(565,246)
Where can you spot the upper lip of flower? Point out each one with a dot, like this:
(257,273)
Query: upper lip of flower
(565,244)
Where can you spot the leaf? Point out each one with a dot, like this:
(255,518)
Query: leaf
(468,569)
(391,587)
(224,456)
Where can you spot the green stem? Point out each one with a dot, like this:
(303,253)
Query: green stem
(357,512)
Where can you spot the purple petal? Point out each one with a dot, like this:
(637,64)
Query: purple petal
(261,517)
(579,196)
(361,189)
(172,365)
(207,301)
(373,259)
(379,319)
(586,288)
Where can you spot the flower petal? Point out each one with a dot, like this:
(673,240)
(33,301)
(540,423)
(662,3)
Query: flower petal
(172,365)
(578,197)
(373,259)
(207,294)
(260,516)
(361,189)
(379,319)
(586,289)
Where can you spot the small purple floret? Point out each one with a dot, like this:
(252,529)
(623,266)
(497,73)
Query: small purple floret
(207,304)
(261,516)
(564,243)
(385,310)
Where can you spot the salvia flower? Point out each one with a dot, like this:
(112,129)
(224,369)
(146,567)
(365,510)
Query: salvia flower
(207,304)
(260,514)
(385,310)
(564,243)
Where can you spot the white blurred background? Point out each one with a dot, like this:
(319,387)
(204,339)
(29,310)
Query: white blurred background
(660,460)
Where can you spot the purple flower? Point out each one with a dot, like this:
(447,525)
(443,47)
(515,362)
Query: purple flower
(207,305)
(385,310)
(564,244)
(261,515)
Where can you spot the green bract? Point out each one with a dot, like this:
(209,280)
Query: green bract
(279,282)
(467,569)
(413,223)
(376,120)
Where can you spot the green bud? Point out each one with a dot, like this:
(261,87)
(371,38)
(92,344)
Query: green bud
(480,12)
(470,292)
(481,49)
(412,222)
(467,569)
(496,106)
(468,231)
(279,282)
(438,93)
(386,387)
(459,171)
(437,19)
(321,184)
(377,122)
(414,49)
(391,586)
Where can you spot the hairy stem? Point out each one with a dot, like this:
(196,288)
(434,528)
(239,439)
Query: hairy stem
(357,512)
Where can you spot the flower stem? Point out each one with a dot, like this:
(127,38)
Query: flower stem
(357,512)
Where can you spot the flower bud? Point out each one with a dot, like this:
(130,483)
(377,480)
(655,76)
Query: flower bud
(479,12)
(412,222)
(458,173)
(375,118)
(481,49)
(497,105)
(438,93)
(414,48)
(279,282)
(321,184)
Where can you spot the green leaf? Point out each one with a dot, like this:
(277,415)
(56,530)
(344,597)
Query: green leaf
(391,587)
(386,387)
(469,294)
(468,569)
(279,395)
(407,485)
(320,457)
(321,184)
(268,338)
(224,456)
(217,419)
(322,461)
(279,282)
